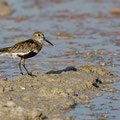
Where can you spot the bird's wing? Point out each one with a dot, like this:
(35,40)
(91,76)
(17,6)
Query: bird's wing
(22,47)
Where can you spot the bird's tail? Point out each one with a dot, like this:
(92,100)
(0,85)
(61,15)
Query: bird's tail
(4,51)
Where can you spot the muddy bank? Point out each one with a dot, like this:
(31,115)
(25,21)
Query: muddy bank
(51,94)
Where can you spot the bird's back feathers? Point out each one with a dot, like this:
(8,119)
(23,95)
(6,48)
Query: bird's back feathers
(22,49)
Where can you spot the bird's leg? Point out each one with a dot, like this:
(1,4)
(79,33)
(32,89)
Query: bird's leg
(20,66)
(25,67)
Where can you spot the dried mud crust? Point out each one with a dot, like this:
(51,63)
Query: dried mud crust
(51,94)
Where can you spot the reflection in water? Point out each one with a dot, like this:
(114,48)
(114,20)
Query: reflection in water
(104,107)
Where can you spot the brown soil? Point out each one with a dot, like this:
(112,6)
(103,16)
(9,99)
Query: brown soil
(51,94)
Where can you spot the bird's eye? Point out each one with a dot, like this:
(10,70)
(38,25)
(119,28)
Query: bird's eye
(38,34)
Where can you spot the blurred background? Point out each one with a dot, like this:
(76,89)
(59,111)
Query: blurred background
(82,31)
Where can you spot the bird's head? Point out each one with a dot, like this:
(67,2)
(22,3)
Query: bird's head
(39,36)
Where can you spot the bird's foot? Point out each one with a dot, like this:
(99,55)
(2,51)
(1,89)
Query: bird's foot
(30,73)
(21,73)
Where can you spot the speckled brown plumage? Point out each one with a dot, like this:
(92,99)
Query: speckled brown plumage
(25,49)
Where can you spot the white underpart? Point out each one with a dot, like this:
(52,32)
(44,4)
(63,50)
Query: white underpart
(39,40)
(36,50)
(16,55)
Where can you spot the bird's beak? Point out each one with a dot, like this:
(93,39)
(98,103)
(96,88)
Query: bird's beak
(48,41)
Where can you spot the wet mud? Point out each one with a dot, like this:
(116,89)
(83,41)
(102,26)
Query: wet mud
(50,95)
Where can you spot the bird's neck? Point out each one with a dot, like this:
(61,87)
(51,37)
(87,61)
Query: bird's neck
(38,41)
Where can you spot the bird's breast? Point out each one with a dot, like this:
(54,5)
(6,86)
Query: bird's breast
(27,55)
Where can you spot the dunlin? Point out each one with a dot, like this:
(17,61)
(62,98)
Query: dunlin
(26,49)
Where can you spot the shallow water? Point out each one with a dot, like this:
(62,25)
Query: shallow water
(82,31)
(106,107)
(70,19)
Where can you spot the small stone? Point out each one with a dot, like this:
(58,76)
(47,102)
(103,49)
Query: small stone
(2,89)
(10,104)
(22,88)
(4,79)
(102,64)
(35,114)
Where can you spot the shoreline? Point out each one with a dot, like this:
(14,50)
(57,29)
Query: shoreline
(53,93)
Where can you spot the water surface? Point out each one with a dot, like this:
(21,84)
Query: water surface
(82,31)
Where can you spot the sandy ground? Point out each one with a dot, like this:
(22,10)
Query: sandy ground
(51,94)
